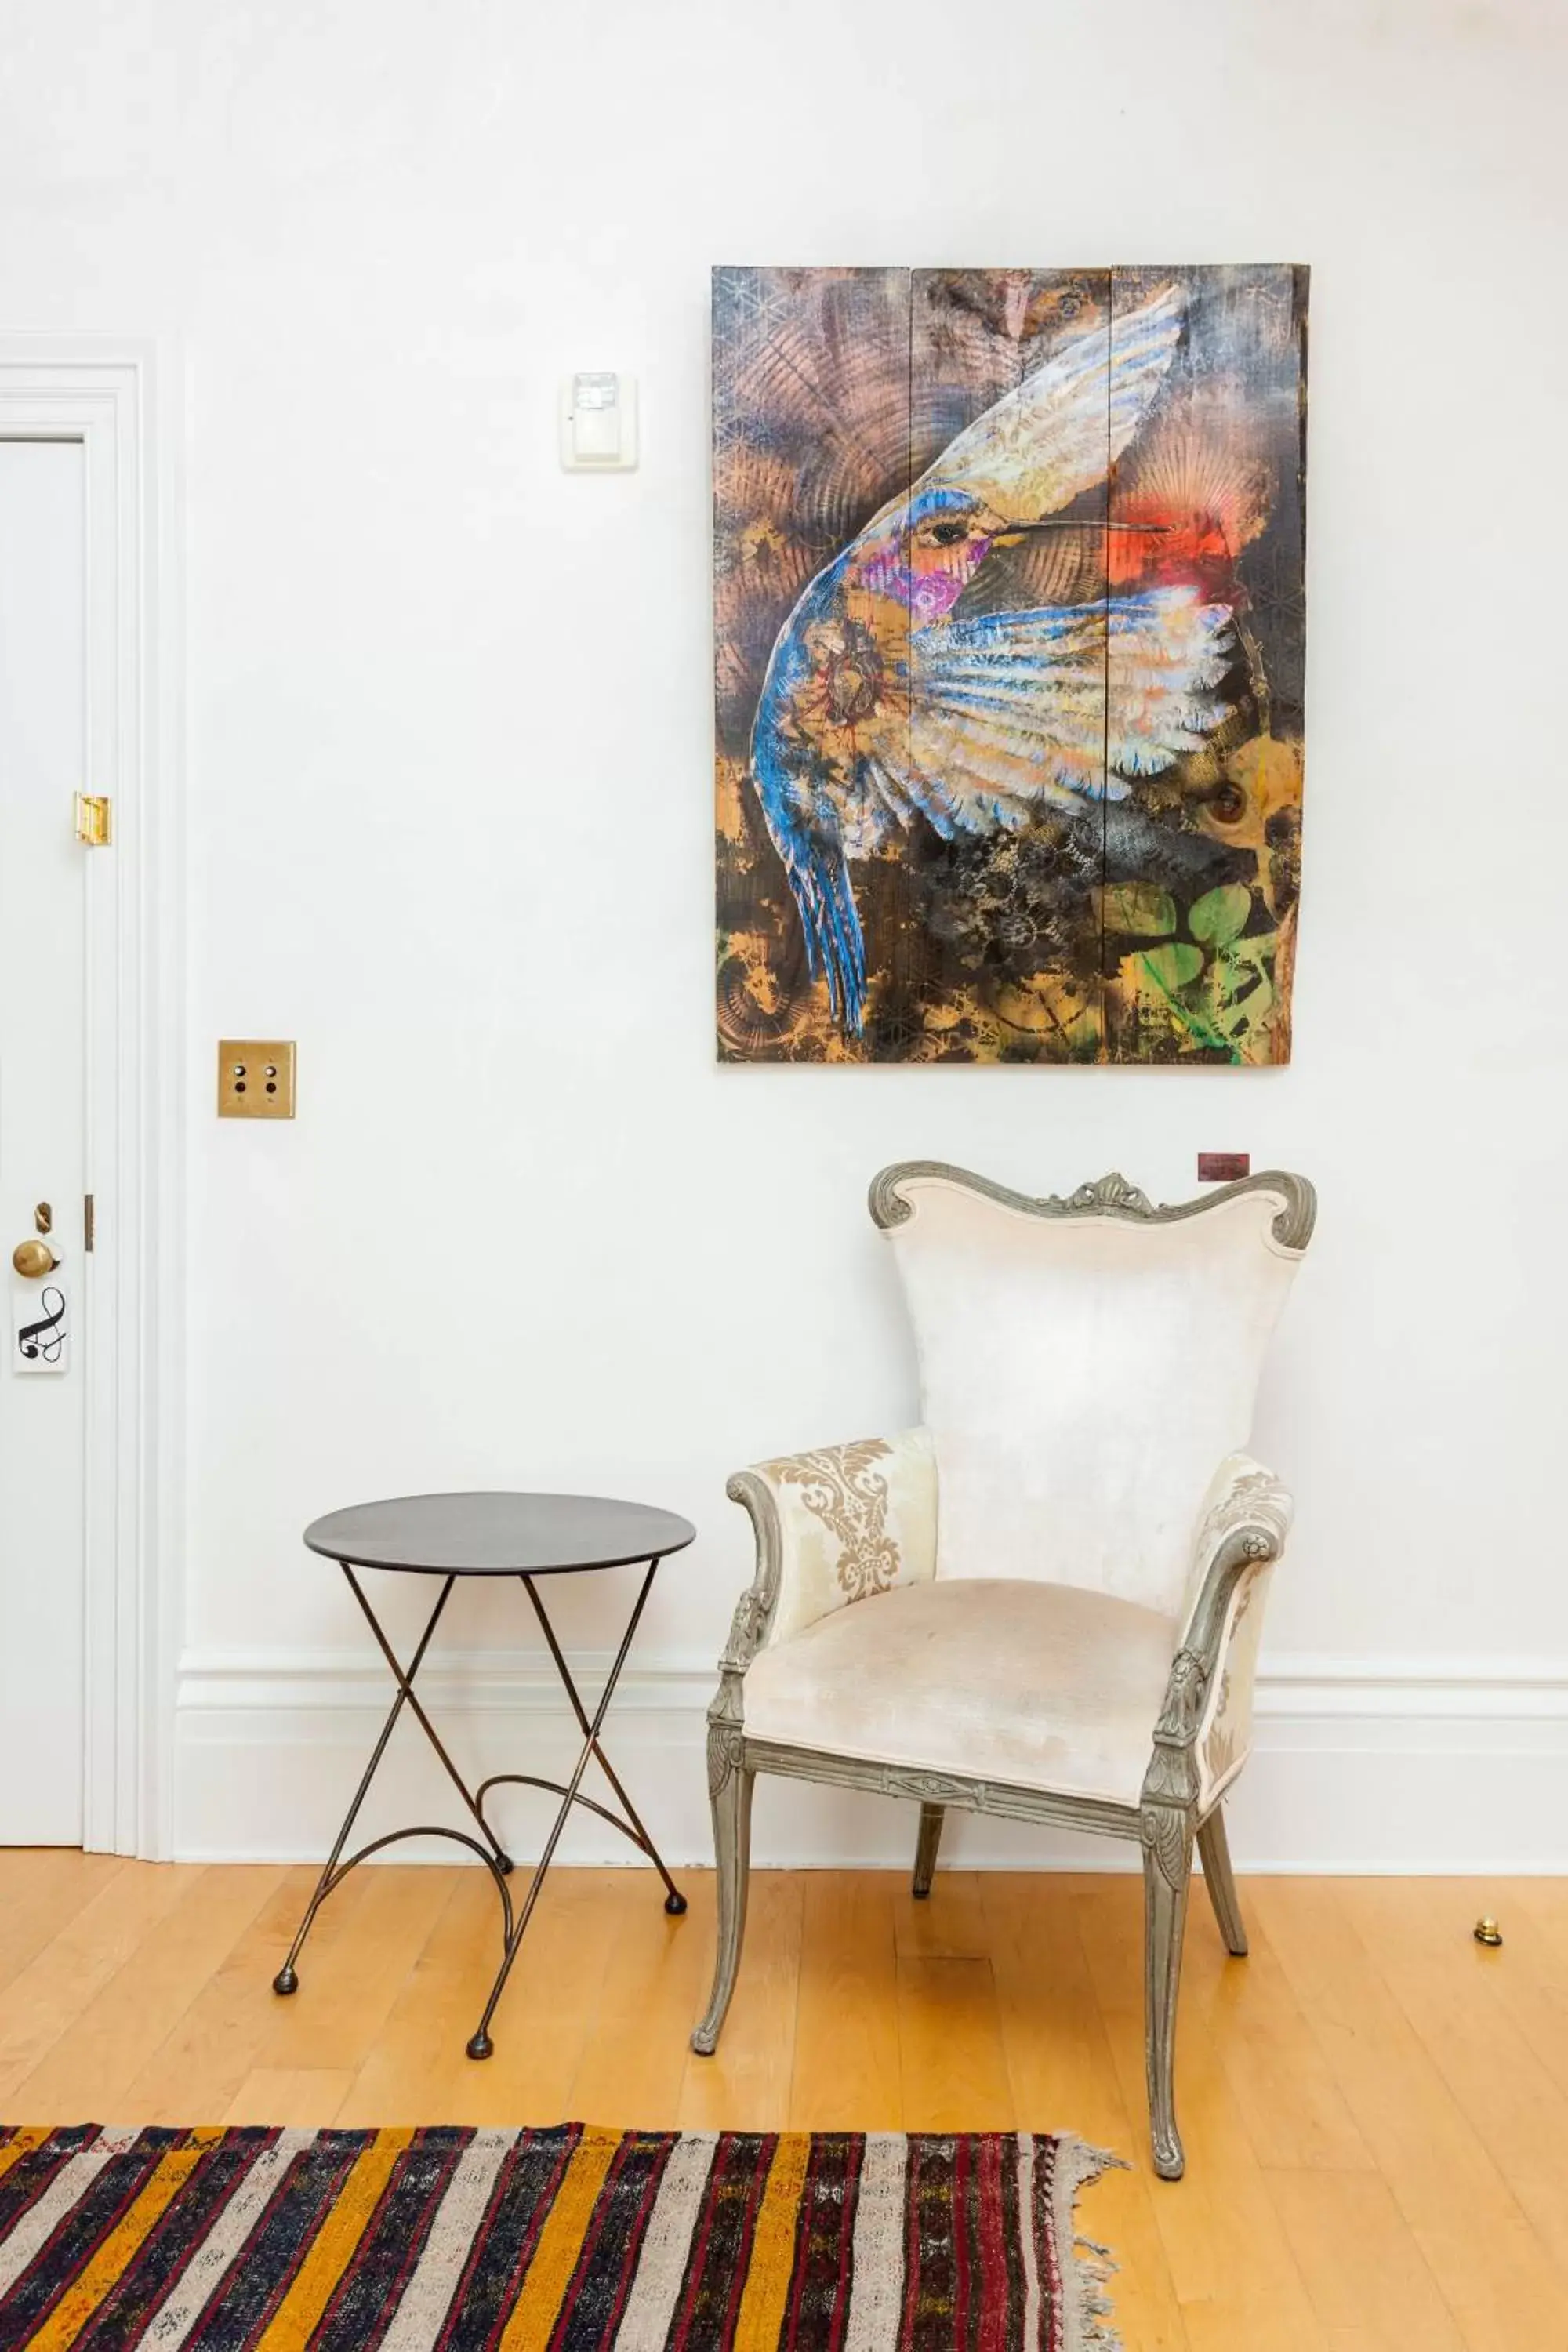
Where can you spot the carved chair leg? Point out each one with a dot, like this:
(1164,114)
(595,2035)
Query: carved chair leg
(926,1844)
(1167,1873)
(731,1785)
(1214,1847)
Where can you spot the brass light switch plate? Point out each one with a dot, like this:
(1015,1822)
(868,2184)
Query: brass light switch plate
(256,1077)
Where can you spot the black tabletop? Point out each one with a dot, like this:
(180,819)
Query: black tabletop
(498,1535)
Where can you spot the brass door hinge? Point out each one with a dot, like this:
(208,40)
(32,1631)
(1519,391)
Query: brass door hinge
(94,814)
(88,1220)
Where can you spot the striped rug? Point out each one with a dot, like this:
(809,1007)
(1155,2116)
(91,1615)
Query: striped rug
(567,2240)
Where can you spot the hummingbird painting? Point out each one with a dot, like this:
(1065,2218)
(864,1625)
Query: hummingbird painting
(901,702)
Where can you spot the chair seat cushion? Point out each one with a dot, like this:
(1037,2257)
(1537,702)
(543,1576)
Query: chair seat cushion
(1043,1685)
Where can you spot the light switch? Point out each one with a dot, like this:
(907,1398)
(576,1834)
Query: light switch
(256,1077)
(598,422)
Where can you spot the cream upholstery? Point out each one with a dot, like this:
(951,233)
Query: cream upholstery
(1040,1686)
(1082,1378)
(1047,1601)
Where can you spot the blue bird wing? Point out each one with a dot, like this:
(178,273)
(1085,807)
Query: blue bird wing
(1001,715)
(1014,710)
(816,810)
(804,818)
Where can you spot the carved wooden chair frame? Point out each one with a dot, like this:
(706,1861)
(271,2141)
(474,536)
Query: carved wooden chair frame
(1244,1532)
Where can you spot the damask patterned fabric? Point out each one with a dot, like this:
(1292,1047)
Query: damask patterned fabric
(1224,1735)
(855,1520)
(1241,1493)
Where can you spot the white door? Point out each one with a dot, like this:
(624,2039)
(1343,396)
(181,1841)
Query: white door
(43,706)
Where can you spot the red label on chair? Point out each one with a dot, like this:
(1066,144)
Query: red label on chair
(1223,1167)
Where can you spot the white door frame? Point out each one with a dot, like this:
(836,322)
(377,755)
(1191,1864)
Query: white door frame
(115,398)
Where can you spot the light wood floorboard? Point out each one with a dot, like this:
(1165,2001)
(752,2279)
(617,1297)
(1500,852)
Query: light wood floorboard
(1375,2109)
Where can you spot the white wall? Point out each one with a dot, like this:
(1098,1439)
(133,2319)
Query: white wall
(450,822)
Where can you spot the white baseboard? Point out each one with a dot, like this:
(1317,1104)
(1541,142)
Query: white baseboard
(1412,1765)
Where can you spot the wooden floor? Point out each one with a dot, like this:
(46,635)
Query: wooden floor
(1375,2109)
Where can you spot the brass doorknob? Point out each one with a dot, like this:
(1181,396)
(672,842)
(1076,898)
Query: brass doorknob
(33,1259)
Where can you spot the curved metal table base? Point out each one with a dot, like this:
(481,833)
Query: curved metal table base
(496,1860)
(674,1901)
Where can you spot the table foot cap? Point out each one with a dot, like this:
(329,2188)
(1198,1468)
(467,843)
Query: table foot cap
(505,1864)
(480,2046)
(675,1905)
(285,1982)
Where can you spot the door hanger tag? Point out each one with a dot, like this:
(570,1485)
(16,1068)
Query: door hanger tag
(40,1324)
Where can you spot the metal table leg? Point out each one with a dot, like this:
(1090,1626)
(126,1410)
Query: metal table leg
(480,2045)
(628,1822)
(336,1870)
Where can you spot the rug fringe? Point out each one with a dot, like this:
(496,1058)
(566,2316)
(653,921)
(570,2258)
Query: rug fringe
(1088,2325)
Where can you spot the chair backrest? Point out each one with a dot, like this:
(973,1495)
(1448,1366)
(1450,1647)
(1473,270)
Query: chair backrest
(1086,1363)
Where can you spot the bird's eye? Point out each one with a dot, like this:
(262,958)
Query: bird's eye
(948,534)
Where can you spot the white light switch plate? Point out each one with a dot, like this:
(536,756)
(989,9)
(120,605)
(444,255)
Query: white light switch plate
(598,422)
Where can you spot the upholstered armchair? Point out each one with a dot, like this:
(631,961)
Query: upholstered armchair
(1045,1601)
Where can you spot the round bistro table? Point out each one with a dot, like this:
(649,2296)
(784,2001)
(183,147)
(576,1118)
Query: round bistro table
(527,1537)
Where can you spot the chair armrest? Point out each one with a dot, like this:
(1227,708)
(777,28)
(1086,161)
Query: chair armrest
(1203,1734)
(1241,1532)
(832,1525)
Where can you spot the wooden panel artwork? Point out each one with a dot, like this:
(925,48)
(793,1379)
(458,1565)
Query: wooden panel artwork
(1009,643)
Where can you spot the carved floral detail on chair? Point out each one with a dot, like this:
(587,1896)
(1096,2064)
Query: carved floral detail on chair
(841,1486)
(1113,1192)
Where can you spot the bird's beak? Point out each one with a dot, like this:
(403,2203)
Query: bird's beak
(1014,532)
(1010,535)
